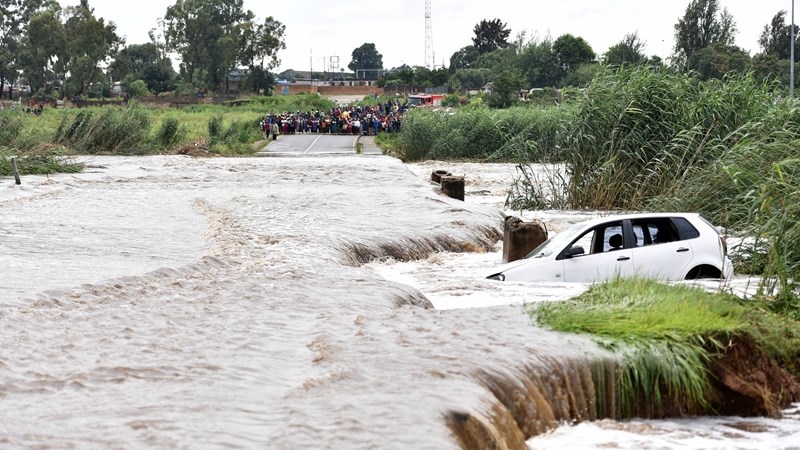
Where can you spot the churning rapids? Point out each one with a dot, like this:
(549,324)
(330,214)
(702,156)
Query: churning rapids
(174,302)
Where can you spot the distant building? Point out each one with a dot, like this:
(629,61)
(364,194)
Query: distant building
(235,79)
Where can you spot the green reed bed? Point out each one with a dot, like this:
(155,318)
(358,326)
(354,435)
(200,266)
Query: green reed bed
(530,133)
(638,130)
(666,336)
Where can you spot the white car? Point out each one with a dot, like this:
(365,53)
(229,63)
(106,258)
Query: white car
(664,246)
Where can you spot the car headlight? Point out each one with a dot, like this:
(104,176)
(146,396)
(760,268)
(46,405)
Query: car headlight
(497,277)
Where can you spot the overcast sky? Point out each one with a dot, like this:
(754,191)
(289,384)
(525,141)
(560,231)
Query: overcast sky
(317,30)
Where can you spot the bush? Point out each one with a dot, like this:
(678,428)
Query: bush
(169,134)
(215,128)
(137,88)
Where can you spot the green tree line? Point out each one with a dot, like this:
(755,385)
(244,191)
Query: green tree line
(66,51)
(69,51)
(704,45)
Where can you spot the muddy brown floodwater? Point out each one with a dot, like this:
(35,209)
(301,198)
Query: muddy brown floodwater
(173,302)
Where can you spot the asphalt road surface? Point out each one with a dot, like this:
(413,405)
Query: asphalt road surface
(311,145)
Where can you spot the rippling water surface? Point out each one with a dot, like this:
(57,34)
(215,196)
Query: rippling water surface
(173,302)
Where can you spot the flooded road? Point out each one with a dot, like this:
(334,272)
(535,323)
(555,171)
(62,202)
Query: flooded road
(173,302)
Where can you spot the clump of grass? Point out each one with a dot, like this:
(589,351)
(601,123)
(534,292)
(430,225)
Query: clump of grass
(45,161)
(10,128)
(106,130)
(215,128)
(666,336)
(170,133)
(233,140)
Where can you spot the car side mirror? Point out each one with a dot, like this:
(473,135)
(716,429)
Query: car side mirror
(575,251)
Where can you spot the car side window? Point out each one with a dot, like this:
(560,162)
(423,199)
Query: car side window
(653,231)
(685,229)
(586,241)
(600,239)
(612,238)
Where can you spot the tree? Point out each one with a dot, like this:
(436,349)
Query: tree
(262,42)
(143,62)
(463,58)
(43,50)
(716,60)
(497,61)
(207,35)
(505,89)
(90,42)
(259,80)
(469,78)
(490,36)
(366,57)
(540,65)
(701,26)
(776,38)
(583,75)
(572,52)
(15,16)
(629,50)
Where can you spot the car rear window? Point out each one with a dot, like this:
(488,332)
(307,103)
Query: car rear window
(685,229)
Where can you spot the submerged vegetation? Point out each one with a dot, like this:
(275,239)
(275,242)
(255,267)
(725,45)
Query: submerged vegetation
(669,337)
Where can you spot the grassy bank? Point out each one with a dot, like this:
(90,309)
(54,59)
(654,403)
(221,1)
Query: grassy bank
(670,338)
(134,130)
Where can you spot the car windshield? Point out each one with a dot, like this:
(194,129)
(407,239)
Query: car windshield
(555,243)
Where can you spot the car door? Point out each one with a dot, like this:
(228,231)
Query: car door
(601,260)
(659,252)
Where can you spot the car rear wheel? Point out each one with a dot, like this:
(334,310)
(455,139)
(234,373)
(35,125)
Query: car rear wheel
(704,271)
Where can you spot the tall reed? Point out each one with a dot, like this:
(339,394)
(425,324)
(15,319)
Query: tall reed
(639,129)
(530,133)
(107,130)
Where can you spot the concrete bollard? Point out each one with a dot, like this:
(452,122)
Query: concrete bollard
(453,187)
(520,238)
(436,175)
(15,170)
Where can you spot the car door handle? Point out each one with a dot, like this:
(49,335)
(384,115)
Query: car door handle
(682,250)
(623,258)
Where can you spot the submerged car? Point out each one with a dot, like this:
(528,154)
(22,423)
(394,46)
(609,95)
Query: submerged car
(664,246)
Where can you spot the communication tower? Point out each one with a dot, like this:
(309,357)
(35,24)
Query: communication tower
(429,57)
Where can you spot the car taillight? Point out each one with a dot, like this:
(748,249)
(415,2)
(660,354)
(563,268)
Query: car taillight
(724,243)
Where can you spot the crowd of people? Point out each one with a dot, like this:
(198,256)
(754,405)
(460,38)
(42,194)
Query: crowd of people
(356,120)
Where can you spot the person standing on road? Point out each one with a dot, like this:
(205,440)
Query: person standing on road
(274,131)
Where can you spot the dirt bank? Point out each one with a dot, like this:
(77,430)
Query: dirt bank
(748,382)
(745,381)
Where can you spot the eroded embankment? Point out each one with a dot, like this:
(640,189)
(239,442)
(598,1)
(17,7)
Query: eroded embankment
(526,402)
(732,373)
